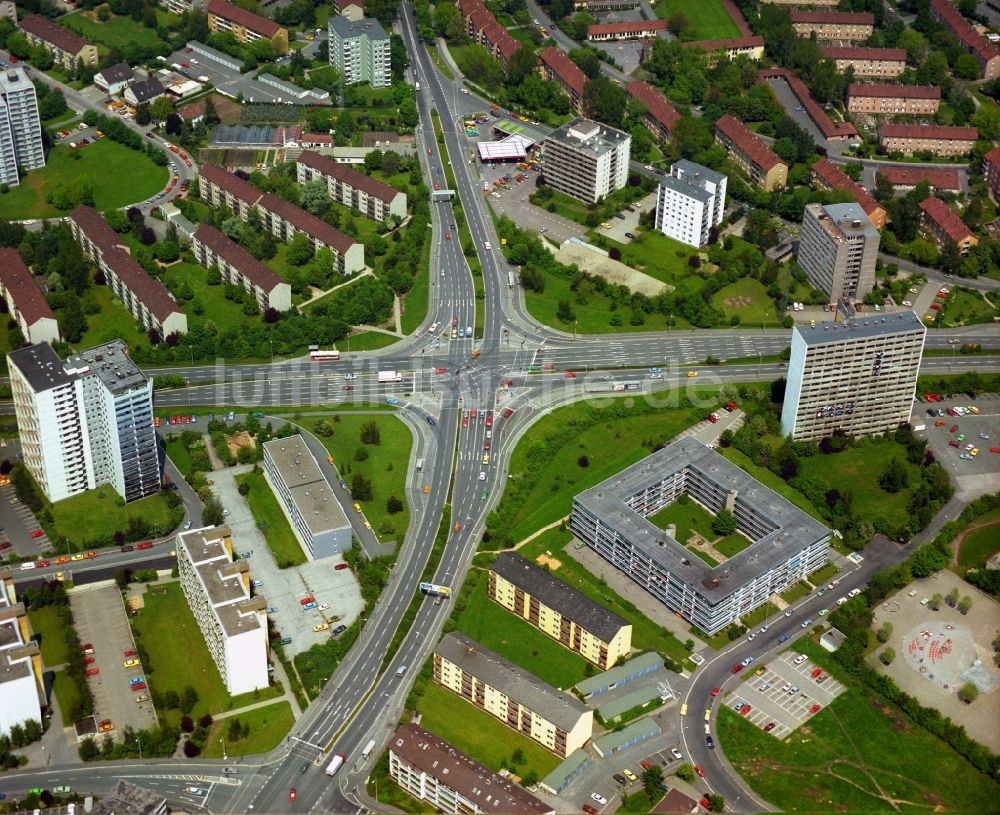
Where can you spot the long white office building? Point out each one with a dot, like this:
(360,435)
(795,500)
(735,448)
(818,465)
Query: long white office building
(859,376)
(21,687)
(785,544)
(20,128)
(85,421)
(233,623)
(689,202)
(587,160)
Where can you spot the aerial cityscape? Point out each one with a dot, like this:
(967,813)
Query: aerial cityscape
(499,406)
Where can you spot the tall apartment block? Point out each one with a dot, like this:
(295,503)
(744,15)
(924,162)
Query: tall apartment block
(859,376)
(85,421)
(22,691)
(838,246)
(359,50)
(690,201)
(20,129)
(587,160)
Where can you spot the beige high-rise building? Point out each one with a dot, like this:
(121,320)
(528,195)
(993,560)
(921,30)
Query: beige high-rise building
(838,247)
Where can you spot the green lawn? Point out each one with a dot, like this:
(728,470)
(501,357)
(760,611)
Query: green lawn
(822,575)
(385,466)
(707,19)
(28,200)
(853,757)
(479,734)
(178,453)
(86,517)
(268,726)
(747,298)
(758,615)
(47,623)
(689,517)
(965,307)
(118,32)
(981,543)
(272,521)
(216,308)
(657,255)
(795,592)
(732,544)
(769,479)
(113,322)
(66,693)
(368,341)
(496,628)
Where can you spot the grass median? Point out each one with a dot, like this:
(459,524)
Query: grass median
(49,624)
(271,521)
(265,727)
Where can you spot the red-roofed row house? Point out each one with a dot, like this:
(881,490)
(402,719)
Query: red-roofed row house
(483,28)
(881,63)
(991,171)
(982,49)
(906,178)
(660,115)
(25,302)
(352,188)
(555,64)
(715,50)
(752,155)
(628,30)
(941,225)
(829,176)
(894,100)
(834,26)
(941,140)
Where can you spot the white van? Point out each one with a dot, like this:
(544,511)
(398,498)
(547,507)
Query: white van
(401,670)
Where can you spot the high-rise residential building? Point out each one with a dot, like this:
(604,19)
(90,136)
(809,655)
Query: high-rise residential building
(858,376)
(690,201)
(20,129)
(587,160)
(22,691)
(838,247)
(85,421)
(359,50)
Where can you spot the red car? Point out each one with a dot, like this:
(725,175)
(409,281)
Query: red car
(12,59)
(737,668)
(437,185)
(88,660)
(995,449)
(953,428)
(645,764)
(138,686)
(347,388)
(486,444)
(145,545)
(712,418)
(699,770)
(93,671)
(715,691)
(744,710)
(447,236)
(571,374)
(589,809)
(87,647)
(814,709)
(306,600)
(130,652)
(428,151)
(5,545)
(38,533)
(291,794)
(489,419)
(440,370)
(816,672)
(935,306)
(339,567)
(42,564)
(465,421)
(769,727)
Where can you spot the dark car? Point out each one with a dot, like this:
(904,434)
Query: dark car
(710,742)
(621,779)
(340,629)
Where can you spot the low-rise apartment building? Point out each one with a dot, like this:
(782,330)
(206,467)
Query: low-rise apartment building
(660,116)
(217,590)
(749,46)
(22,691)
(985,52)
(893,100)
(879,63)
(554,63)
(238,267)
(991,171)
(750,154)
(628,30)
(246,26)
(351,9)
(352,188)
(940,223)
(25,303)
(430,769)
(148,300)
(557,609)
(482,27)
(825,3)
(67,49)
(834,26)
(832,131)
(906,178)
(519,699)
(587,160)
(941,140)
(828,176)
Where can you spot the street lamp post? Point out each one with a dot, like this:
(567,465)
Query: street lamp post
(139,742)
(225,756)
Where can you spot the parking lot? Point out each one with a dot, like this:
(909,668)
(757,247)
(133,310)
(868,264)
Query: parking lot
(101,620)
(784,695)
(225,78)
(979,473)
(626,223)
(20,528)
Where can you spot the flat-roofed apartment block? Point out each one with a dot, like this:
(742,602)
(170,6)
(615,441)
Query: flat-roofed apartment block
(238,267)
(312,508)
(828,176)
(217,590)
(430,769)
(941,224)
(352,188)
(85,421)
(554,63)
(245,25)
(894,100)
(587,160)
(22,692)
(752,156)
(881,63)
(834,26)
(731,48)
(67,49)
(519,699)
(130,799)
(941,140)
(146,298)
(786,543)
(858,376)
(689,202)
(838,247)
(628,30)
(968,37)
(21,145)
(660,116)
(360,50)
(991,171)
(555,608)
(24,299)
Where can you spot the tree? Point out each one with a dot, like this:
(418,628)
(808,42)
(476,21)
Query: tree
(189,698)
(652,776)
(160,108)
(314,198)
(604,101)
(965,604)
(884,632)
(952,597)
(716,803)
(724,522)
(895,477)
(370,433)
(300,250)
(583,461)
(587,60)
(935,602)
(968,693)
(361,488)
(142,116)
(565,312)
(72,322)
(211,514)
(393,505)
(686,773)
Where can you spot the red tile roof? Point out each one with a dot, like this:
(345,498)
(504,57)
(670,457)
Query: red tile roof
(305,222)
(562,66)
(837,179)
(252,269)
(727,44)
(230,183)
(888,91)
(148,290)
(342,4)
(628,27)
(657,105)
(17,280)
(738,133)
(241,16)
(316,138)
(829,128)
(738,19)
(993,157)
(348,175)
(53,33)
(963,29)
(466,7)
(946,220)
(950,132)
(841,17)
(863,53)
(494,32)
(95,228)
(508,46)
(911,176)
(193,111)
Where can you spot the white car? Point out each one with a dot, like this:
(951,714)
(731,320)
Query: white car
(495,194)
(488,247)
(350,376)
(676,753)
(907,303)
(649,166)
(752,636)
(747,661)
(324,606)
(482,476)
(599,798)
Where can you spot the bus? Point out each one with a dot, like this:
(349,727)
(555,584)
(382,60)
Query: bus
(511,282)
(368,749)
(434,590)
(324,356)
(335,764)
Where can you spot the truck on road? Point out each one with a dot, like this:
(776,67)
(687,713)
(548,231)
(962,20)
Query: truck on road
(390,376)
(335,764)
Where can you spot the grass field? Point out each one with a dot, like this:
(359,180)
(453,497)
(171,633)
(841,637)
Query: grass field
(272,521)
(118,32)
(369,341)
(47,623)
(707,20)
(217,309)
(748,299)
(113,322)
(85,517)
(28,200)
(689,517)
(500,631)
(795,592)
(66,693)
(268,726)
(655,254)
(981,543)
(857,755)
(179,455)
(479,734)
(769,479)
(965,307)
(385,466)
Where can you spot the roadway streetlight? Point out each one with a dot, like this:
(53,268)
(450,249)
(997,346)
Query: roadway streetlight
(272,350)
(137,741)
(225,756)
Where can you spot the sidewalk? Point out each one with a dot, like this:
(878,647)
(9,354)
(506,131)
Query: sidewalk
(445,54)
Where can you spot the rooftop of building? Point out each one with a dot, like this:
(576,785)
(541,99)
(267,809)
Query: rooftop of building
(946,132)
(299,470)
(727,43)
(348,29)
(230,182)
(119,72)
(348,175)
(791,529)
(686,187)
(16,278)
(626,27)
(562,66)
(13,80)
(586,136)
(257,272)
(637,731)
(488,791)
(839,180)
(53,33)
(613,676)
(111,364)
(303,221)
(559,708)
(911,176)
(946,219)
(892,91)
(860,329)
(130,799)
(41,366)
(844,221)
(656,103)
(835,17)
(964,30)
(244,17)
(745,139)
(864,53)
